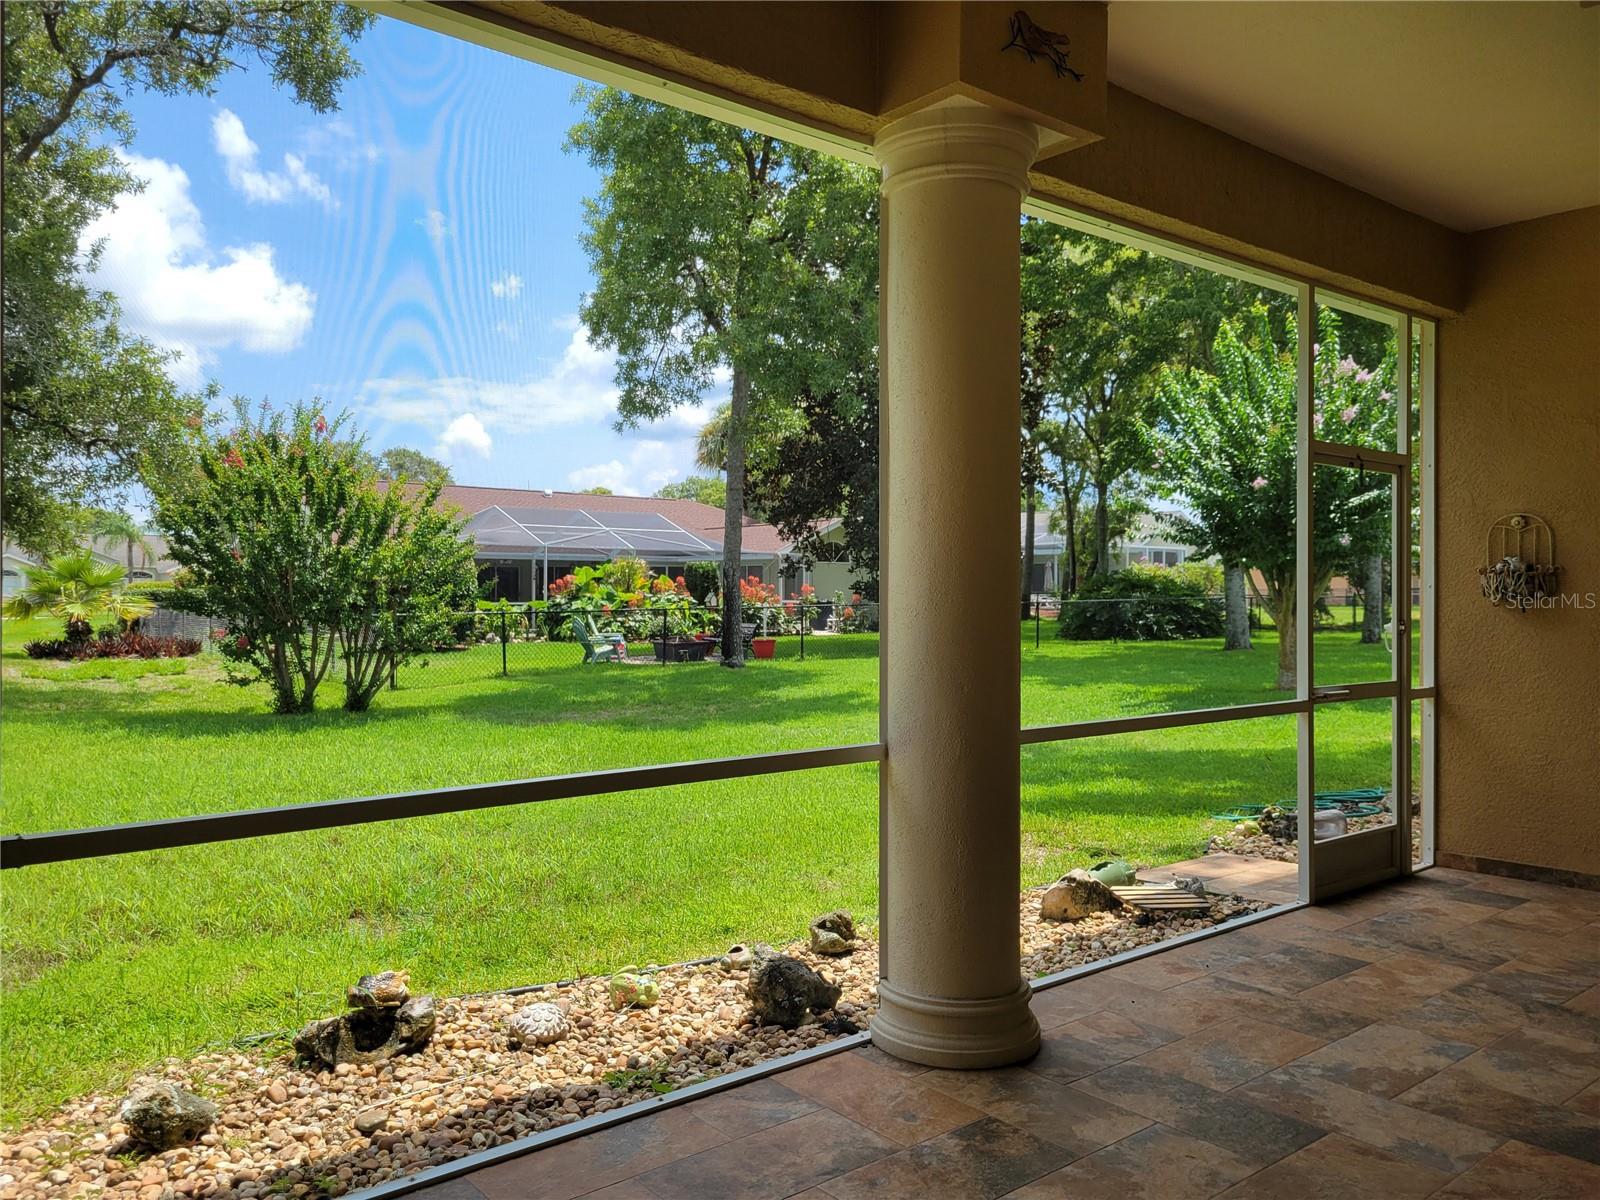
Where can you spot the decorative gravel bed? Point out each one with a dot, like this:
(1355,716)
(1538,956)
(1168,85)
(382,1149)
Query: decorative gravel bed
(288,1131)
(1261,846)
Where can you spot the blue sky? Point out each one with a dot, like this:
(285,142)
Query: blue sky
(412,258)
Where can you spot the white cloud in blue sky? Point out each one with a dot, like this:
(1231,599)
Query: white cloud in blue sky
(413,258)
(240,157)
(179,292)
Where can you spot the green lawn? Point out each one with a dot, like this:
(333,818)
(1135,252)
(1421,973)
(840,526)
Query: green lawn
(110,964)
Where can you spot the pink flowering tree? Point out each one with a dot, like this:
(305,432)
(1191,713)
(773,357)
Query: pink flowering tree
(1225,452)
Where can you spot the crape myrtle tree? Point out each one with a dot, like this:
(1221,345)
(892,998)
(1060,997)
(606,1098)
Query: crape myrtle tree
(89,409)
(1226,447)
(693,242)
(282,533)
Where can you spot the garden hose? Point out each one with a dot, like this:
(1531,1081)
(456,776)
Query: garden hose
(1353,802)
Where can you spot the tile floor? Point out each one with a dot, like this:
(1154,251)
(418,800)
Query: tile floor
(1435,1037)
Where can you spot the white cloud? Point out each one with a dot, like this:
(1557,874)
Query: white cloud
(649,465)
(465,433)
(578,388)
(177,291)
(433,223)
(239,158)
(507,287)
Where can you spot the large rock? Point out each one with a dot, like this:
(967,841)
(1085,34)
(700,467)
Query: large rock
(386,989)
(163,1115)
(833,933)
(783,990)
(537,1025)
(1076,895)
(369,1035)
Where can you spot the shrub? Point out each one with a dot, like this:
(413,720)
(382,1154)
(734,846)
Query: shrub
(112,644)
(702,578)
(284,534)
(1142,604)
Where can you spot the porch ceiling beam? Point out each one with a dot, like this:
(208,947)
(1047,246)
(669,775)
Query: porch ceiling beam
(1143,166)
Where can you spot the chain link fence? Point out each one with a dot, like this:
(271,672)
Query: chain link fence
(518,639)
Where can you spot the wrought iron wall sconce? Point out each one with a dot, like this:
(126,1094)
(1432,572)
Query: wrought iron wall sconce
(1520,568)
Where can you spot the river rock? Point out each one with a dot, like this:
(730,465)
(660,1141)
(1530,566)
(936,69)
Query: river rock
(833,933)
(783,990)
(163,1115)
(372,1120)
(537,1025)
(1076,895)
(369,1035)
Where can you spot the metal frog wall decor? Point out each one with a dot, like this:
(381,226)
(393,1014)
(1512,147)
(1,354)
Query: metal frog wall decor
(1520,568)
(1039,43)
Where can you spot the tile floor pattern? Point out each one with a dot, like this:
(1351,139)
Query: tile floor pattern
(1436,1037)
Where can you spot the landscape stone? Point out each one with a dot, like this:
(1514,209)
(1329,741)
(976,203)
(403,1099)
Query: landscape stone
(386,989)
(783,990)
(369,1035)
(833,933)
(371,1121)
(1076,895)
(163,1115)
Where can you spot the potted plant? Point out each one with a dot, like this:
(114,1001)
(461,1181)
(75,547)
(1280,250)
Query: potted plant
(763,647)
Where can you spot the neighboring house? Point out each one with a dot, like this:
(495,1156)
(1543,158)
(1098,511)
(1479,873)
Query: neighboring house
(147,564)
(526,537)
(1149,542)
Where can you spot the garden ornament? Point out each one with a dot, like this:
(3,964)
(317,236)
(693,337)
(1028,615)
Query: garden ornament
(630,988)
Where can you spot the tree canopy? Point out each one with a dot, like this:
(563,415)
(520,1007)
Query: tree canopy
(704,240)
(88,408)
(1226,446)
(707,489)
(401,462)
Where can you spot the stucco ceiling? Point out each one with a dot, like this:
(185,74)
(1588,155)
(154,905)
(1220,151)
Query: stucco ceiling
(1471,114)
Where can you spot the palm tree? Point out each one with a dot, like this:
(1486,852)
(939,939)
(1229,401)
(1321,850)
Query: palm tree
(120,527)
(77,588)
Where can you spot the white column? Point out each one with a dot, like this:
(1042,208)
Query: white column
(953,993)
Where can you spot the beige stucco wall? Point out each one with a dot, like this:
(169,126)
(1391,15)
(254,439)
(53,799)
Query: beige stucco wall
(1519,430)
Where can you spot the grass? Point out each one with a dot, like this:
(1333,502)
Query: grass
(110,964)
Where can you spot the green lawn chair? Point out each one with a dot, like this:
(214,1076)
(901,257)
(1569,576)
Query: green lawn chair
(597,647)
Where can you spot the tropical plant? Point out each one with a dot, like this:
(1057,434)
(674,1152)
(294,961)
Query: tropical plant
(115,644)
(120,527)
(76,588)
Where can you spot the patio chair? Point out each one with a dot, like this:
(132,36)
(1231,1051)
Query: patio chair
(596,648)
(615,639)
